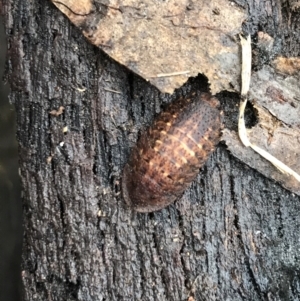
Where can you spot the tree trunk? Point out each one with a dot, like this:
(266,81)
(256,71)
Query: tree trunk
(232,236)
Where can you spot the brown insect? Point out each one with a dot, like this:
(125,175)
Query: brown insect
(168,155)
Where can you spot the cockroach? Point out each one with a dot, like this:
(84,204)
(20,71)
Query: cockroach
(168,155)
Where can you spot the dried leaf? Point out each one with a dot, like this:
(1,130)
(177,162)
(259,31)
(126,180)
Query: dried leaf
(153,38)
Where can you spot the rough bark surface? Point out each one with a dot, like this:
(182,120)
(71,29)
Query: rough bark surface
(234,235)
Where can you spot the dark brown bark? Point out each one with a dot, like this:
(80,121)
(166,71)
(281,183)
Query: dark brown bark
(232,236)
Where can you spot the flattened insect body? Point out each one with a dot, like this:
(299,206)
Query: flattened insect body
(168,155)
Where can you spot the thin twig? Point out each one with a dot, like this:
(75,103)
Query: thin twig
(113,91)
(171,74)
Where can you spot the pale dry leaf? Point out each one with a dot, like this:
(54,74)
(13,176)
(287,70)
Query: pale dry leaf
(151,38)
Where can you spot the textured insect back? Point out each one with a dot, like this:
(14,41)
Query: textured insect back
(168,155)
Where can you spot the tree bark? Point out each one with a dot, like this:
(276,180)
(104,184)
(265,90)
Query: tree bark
(232,236)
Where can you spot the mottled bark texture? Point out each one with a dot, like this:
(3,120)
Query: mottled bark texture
(233,236)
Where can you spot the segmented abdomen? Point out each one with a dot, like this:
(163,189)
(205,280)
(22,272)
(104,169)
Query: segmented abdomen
(169,154)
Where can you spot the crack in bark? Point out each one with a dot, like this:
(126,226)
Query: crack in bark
(239,236)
